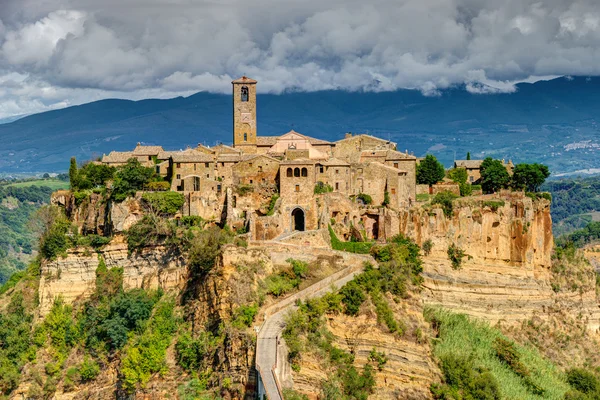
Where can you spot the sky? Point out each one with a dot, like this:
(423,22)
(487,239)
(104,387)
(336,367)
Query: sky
(57,53)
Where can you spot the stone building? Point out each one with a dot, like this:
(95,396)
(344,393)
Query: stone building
(267,183)
(473,168)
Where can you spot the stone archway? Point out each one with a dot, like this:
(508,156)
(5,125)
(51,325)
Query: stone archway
(298,219)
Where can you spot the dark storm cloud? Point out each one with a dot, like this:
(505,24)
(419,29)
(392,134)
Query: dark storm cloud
(59,52)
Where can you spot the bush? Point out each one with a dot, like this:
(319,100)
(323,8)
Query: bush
(321,188)
(243,190)
(456,255)
(271,209)
(466,189)
(243,316)
(164,203)
(280,284)
(445,199)
(160,186)
(54,242)
(494,205)
(191,352)
(353,297)
(193,221)
(365,198)
(204,249)
(427,247)
(583,381)
(88,370)
(378,357)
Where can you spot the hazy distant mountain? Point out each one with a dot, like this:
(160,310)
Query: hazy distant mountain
(553,122)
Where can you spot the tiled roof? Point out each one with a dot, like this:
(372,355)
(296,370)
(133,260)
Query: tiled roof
(117,157)
(387,167)
(165,155)
(147,150)
(266,140)
(299,161)
(223,148)
(469,164)
(244,79)
(365,135)
(334,162)
(192,156)
(398,155)
(228,158)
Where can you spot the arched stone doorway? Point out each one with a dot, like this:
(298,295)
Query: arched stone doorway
(298,219)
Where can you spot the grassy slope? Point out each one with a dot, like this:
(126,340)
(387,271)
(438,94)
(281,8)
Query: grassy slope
(460,335)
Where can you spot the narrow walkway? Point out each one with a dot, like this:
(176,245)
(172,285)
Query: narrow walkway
(270,332)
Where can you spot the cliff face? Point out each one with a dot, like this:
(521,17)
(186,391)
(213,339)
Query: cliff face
(74,277)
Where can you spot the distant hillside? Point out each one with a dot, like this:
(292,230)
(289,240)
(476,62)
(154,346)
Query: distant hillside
(553,122)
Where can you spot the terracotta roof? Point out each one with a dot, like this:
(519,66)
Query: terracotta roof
(387,167)
(147,150)
(117,157)
(299,161)
(334,162)
(398,155)
(228,158)
(192,156)
(369,136)
(244,79)
(266,140)
(227,149)
(469,164)
(165,155)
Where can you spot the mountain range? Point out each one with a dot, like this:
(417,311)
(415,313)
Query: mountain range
(554,122)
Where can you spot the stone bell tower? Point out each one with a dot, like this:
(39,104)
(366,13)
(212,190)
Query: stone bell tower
(244,114)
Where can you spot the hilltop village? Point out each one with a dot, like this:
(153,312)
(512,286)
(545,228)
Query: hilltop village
(235,184)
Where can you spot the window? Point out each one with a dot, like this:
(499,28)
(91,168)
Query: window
(244,93)
(337,186)
(251,181)
(196,184)
(250,165)
(337,171)
(149,158)
(205,165)
(393,190)
(304,172)
(207,176)
(260,168)
(296,172)
(321,169)
(194,167)
(157,169)
(246,138)
(178,165)
(395,165)
(297,188)
(178,176)
(222,164)
(219,188)
(470,179)
(289,173)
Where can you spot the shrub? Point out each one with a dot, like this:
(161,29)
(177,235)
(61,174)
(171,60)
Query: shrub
(160,186)
(365,198)
(271,209)
(97,241)
(191,352)
(321,188)
(386,198)
(494,205)
(164,203)
(583,380)
(300,268)
(458,175)
(465,189)
(193,220)
(80,197)
(54,242)
(456,255)
(244,315)
(427,247)
(280,284)
(243,190)
(353,297)
(204,249)
(148,231)
(378,357)
(445,199)
(88,370)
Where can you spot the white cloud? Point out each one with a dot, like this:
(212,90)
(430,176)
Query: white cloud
(73,51)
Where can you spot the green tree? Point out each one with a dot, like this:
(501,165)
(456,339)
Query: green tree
(73,173)
(494,175)
(130,178)
(458,175)
(468,155)
(430,171)
(529,176)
